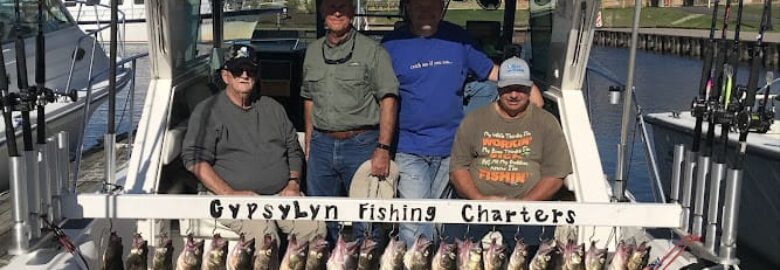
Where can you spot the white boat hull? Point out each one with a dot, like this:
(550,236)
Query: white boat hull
(759,214)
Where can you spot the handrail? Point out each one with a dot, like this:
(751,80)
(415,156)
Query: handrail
(122,18)
(658,192)
(120,63)
(85,118)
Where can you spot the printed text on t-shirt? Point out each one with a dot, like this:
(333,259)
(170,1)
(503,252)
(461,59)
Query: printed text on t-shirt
(504,157)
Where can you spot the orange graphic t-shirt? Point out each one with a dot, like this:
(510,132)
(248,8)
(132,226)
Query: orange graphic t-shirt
(507,157)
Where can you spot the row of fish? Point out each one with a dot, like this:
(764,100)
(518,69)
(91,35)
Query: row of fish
(489,254)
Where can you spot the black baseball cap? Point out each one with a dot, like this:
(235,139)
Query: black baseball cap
(240,56)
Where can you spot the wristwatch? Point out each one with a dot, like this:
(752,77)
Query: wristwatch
(383,146)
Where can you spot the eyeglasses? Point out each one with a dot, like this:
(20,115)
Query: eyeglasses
(251,72)
(340,60)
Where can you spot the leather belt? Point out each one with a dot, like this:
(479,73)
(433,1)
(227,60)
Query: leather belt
(343,135)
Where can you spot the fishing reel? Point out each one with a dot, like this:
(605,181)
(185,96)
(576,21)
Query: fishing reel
(36,96)
(699,107)
(759,121)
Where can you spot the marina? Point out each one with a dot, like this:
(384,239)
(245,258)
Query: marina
(139,203)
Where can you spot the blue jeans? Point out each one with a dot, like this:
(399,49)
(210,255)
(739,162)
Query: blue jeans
(330,168)
(422,177)
(478,94)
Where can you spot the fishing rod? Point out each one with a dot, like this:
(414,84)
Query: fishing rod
(702,164)
(747,119)
(717,82)
(21,230)
(26,101)
(699,104)
(109,145)
(6,105)
(724,114)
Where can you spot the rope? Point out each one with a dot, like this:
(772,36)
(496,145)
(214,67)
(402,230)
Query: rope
(64,241)
(678,249)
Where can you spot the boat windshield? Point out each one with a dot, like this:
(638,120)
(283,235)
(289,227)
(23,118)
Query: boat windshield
(297,19)
(55,18)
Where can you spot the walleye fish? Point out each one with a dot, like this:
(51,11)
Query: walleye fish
(295,256)
(393,257)
(139,252)
(544,258)
(344,256)
(191,256)
(595,258)
(216,258)
(366,259)
(241,256)
(163,254)
(620,258)
(444,259)
(639,257)
(573,256)
(469,255)
(318,253)
(494,255)
(517,261)
(112,257)
(418,256)
(266,256)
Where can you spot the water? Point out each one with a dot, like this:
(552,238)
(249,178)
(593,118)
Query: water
(663,83)
(98,123)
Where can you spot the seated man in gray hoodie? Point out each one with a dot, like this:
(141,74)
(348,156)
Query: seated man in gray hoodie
(238,143)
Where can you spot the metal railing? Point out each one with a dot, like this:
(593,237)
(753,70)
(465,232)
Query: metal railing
(658,191)
(98,23)
(91,78)
(132,60)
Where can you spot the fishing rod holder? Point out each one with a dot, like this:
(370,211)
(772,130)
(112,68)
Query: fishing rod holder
(29,234)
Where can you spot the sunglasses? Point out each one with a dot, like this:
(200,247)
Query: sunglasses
(251,72)
(518,88)
(341,60)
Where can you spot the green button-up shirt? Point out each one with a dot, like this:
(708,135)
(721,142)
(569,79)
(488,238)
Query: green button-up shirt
(346,95)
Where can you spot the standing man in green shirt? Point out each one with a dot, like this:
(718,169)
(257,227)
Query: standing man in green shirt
(349,90)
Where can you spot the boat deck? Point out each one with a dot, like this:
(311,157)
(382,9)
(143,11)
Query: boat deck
(89,180)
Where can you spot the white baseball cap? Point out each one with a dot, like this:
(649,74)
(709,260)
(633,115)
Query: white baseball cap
(365,185)
(514,71)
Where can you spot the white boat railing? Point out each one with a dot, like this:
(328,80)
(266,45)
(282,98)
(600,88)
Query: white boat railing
(95,5)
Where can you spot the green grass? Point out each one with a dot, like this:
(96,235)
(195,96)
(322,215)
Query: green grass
(611,17)
(460,16)
(666,17)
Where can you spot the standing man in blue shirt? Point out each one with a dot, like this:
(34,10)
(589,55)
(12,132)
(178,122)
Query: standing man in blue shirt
(431,59)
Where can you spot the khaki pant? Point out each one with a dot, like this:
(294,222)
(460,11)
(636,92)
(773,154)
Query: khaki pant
(257,229)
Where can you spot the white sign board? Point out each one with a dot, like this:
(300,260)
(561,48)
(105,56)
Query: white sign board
(127,206)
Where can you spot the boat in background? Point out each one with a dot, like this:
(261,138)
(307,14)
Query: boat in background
(94,14)
(761,199)
(69,60)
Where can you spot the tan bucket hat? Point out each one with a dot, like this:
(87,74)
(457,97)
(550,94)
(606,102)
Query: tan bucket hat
(365,185)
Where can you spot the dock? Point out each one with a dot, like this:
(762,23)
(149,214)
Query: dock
(688,42)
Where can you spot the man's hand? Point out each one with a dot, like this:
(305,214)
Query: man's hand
(380,163)
(291,190)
